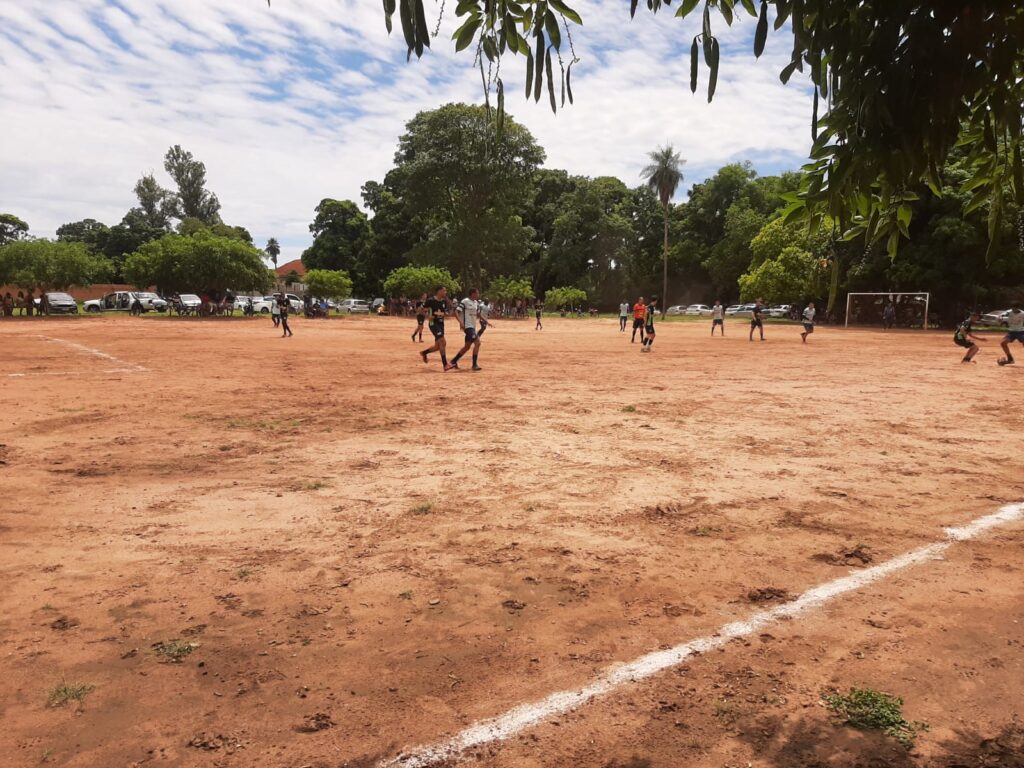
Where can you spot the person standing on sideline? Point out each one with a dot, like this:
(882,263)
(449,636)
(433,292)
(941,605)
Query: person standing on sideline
(808,320)
(964,337)
(888,316)
(421,316)
(639,313)
(437,306)
(649,312)
(623,316)
(718,317)
(537,311)
(285,309)
(275,310)
(757,319)
(30,304)
(1014,332)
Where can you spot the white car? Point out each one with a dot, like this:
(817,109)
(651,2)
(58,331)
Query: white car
(354,306)
(121,301)
(265,305)
(995,317)
(734,310)
(698,310)
(782,310)
(678,309)
(189,302)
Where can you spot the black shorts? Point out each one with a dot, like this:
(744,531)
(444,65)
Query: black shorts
(437,329)
(718,321)
(755,323)
(649,330)
(420,319)
(809,327)
(471,335)
(965,343)
(637,323)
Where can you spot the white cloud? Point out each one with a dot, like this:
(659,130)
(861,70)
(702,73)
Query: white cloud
(306,100)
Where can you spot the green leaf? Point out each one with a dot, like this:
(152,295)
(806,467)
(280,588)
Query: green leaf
(903,216)
(529,74)
(686,8)
(490,49)
(713,75)
(892,246)
(632,8)
(1018,175)
(787,72)
(538,69)
(501,107)
(761,34)
(566,11)
(694,63)
(782,9)
(706,34)
(465,34)
(422,30)
(551,84)
(748,6)
(389,11)
(568,82)
(726,9)
(408,26)
(554,33)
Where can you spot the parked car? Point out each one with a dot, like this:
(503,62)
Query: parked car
(782,310)
(995,317)
(354,306)
(377,304)
(678,309)
(189,302)
(121,301)
(61,303)
(265,304)
(739,310)
(698,310)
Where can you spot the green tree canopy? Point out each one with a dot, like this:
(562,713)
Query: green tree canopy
(199,262)
(273,250)
(194,200)
(328,283)
(340,234)
(510,289)
(412,281)
(557,298)
(11,228)
(50,265)
(790,277)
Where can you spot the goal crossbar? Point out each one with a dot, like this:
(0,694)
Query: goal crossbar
(892,295)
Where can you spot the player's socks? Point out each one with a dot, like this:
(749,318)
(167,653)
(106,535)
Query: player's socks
(444,359)
(475,357)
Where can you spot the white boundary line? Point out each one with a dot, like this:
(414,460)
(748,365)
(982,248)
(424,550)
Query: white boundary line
(528,715)
(126,366)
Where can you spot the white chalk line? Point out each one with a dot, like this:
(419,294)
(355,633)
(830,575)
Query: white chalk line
(528,715)
(126,367)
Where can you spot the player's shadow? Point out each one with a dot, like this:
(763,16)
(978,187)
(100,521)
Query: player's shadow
(811,743)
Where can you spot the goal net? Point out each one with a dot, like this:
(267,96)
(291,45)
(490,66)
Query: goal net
(888,310)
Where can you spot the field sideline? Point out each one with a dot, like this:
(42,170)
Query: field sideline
(318,551)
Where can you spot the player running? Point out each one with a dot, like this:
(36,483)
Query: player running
(639,313)
(1014,332)
(649,312)
(421,316)
(964,337)
(718,317)
(808,319)
(437,307)
(467,313)
(484,313)
(757,319)
(537,310)
(623,316)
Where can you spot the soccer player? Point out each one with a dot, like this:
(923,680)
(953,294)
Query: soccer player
(718,317)
(484,313)
(285,306)
(421,316)
(808,319)
(623,315)
(757,319)
(888,316)
(1014,332)
(964,337)
(467,313)
(537,310)
(649,312)
(639,313)
(437,307)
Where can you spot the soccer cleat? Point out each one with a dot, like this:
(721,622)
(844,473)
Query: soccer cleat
(477,368)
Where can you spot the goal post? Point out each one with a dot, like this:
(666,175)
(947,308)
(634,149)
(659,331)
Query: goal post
(909,309)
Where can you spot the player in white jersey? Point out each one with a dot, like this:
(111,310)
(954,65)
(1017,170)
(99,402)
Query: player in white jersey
(717,317)
(1014,332)
(468,312)
(623,315)
(808,320)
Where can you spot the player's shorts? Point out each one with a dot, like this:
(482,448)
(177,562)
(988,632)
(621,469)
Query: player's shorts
(809,327)
(755,323)
(471,335)
(649,330)
(637,323)
(963,343)
(437,329)
(718,321)
(420,319)
(1012,336)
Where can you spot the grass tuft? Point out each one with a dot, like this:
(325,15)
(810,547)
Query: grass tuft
(174,650)
(867,709)
(64,692)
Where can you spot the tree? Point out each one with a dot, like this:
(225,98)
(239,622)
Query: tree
(193,200)
(904,80)
(157,205)
(415,281)
(89,231)
(789,277)
(393,233)
(663,175)
(567,297)
(273,250)
(199,262)
(11,228)
(129,235)
(340,232)
(508,289)
(328,283)
(50,265)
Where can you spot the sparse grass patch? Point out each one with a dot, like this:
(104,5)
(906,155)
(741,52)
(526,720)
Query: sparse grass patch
(706,530)
(629,409)
(64,692)
(314,485)
(423,509)
(727,711)
(243,573)
(867,709)
(174,651)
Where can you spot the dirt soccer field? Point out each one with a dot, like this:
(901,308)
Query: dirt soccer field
(221,548)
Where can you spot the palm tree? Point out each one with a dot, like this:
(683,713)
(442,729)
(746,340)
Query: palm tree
(663,176)
(273,250)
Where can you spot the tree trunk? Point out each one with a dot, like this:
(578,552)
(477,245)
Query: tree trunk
(664,270)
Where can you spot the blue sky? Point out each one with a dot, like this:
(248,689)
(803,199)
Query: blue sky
(305,100)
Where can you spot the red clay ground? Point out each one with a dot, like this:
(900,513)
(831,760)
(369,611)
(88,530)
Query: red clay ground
(366,554)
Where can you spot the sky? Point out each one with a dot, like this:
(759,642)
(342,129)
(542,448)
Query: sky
(306,99)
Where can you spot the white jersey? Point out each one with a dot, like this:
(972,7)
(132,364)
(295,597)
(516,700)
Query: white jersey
(483,310)
(469,310)
(718,312)
(809,314)
(623,310)
(1015,321)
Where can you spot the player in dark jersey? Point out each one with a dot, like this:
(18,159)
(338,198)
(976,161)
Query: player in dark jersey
(757,319)
(649,312)
(437,307)
(421,316)
(964,337)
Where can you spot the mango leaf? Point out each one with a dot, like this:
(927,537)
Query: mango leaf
(554,33)
(713,76)
(389,11)
(566,11)
(632,8)
(538,69)
(903,216)
(748,6)
(529,74)
(892,246)
(761,34)
(787,72)
(465,34)
(686,7)
(693,66)
(726,8)
(551,84)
